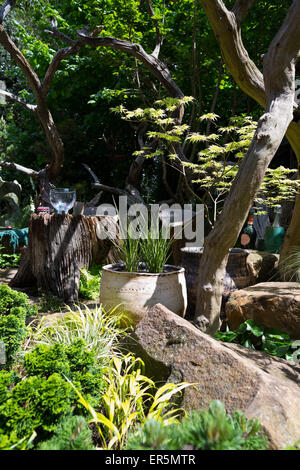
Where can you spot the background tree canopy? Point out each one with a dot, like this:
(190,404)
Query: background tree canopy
(90,82)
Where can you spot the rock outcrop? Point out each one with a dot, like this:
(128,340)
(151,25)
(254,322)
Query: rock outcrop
(272,304)
(260,385)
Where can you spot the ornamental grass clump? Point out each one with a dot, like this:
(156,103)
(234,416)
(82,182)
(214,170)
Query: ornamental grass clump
(289,267)
(129,400)
(155,248)
(145,248)
(99,329)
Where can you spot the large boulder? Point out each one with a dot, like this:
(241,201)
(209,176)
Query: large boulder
(260,385)
(272,304)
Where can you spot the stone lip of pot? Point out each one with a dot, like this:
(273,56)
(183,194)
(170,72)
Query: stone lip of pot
(198,250)
(118,268)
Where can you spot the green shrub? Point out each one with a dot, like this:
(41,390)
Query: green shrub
(7,379)
(14,308)
(10,298)
(44,396)
(72,433)
(73,361)
(12,332)
(89,285)
(9,260)
(254,336)
(204,430)
(44,360)
(36,403)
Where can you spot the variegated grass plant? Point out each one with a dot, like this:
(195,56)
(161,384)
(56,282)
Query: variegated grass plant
(290,267)
(100,330)
(130,399)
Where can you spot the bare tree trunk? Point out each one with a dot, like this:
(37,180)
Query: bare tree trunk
(53,138)
(227,29)
(279,77)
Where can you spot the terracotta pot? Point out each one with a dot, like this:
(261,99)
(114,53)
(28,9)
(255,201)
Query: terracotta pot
(135,293)
(237,274)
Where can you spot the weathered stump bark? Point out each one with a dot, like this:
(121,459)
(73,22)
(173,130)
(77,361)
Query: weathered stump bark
(58,247)
(24,276)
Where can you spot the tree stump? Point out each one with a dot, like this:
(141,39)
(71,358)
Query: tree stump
(58,247)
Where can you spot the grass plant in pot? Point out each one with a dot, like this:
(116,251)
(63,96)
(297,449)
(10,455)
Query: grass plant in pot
(143,278)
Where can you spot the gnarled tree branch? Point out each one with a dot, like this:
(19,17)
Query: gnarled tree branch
(151,12)
(15,98)
(6,8)
(228,34)
(241,9)
(41,109)
(154,65)
(21,61)
(54,65)
(17,167)
(132,194)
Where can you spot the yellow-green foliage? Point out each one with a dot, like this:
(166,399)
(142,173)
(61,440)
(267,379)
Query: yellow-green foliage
(130,399)
(219,153)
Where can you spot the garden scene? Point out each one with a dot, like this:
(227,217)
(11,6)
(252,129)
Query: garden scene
(149,226)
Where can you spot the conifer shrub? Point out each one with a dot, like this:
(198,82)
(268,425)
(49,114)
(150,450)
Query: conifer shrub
(72,433)
(14,308)
(10,298)
(38,402)
(73,361)
(12,332)
(213,429)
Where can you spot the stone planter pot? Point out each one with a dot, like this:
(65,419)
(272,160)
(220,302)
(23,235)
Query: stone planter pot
(237,273)
(135,293)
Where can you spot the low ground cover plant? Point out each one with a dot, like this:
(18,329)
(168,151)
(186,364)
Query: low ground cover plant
(9,260)
(254,336)
(89,285)
(213,429)
(72,433)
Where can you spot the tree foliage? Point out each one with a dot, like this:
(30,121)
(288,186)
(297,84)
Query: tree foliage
(89,82)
